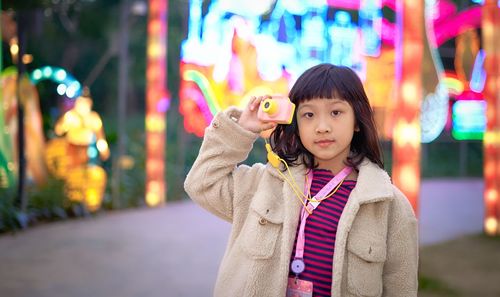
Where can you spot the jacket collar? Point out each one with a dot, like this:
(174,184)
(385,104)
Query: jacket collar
(373,184)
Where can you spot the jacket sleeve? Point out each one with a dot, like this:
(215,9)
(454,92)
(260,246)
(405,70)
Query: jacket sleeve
(401,267)
(212,178)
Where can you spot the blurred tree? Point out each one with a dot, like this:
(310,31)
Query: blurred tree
(81,36)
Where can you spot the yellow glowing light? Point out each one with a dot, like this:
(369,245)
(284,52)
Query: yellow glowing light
(152,199)
(407,133)
(83,105)
(491,225)
(491,195)
(155,123)
(491,138)
(154,186)
(27,58)
(86,185)
(102,145)
(487,28)
(408,175)
(410,93)
(93,199)
(71,120)
(155,50)
(10,166)
(14,49)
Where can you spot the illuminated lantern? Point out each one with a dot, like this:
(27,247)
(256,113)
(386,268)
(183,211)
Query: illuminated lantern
(57,158)
(35,142)
(406,138)
(156,102)
(491,141)
(70,156)
(86,185)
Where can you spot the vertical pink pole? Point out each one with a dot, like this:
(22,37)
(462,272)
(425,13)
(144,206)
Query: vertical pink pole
(407,135)
(156,102)
(491,143)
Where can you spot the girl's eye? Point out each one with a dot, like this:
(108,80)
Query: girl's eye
(307,114)
(336,113)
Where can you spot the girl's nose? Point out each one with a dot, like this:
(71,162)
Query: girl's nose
(323,127)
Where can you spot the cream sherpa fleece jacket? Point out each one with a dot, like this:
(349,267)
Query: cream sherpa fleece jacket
(376,249)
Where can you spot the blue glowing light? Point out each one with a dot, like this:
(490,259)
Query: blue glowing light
(291,37)
(478,77)
(469,119)
(370,22)
(66,83)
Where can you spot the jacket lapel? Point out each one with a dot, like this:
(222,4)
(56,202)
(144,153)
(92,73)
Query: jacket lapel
(291,204)
(373,185)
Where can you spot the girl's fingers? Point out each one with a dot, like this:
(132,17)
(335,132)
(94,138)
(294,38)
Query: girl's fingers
(267,126)
(255,101)
(250,102)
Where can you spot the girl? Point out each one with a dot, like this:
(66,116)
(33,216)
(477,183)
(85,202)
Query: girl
(350,233)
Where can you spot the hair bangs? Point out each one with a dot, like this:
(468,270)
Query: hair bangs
(317,84)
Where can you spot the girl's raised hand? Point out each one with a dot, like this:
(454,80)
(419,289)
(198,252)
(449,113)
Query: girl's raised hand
(248,118)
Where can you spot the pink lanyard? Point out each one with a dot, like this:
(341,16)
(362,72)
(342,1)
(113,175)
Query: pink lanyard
(298,265)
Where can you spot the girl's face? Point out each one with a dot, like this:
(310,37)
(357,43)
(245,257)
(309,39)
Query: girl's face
(326,128)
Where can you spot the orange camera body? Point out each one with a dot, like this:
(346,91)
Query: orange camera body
(277,109)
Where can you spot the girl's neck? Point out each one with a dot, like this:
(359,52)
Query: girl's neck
(336,167)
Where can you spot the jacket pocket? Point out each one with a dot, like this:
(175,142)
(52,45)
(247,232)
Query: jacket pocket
(366,254)
(260,232)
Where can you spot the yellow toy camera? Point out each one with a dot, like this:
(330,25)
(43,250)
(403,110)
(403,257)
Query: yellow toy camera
(277,109)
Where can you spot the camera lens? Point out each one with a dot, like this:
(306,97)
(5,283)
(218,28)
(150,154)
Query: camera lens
(267,104)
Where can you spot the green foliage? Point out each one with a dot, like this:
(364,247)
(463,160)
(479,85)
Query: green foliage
(48,201)
(8,212)
(132,186)
(435,286)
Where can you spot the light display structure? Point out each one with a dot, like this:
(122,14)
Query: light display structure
(35,144)
(409,56)
(491,143)
(473,84)
(234,51)
(156,102)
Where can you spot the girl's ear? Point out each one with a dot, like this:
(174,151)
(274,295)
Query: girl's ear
(356,128)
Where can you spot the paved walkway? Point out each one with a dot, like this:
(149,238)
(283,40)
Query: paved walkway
(172,251)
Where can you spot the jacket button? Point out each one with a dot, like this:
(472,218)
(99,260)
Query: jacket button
(215,124)
(262,221)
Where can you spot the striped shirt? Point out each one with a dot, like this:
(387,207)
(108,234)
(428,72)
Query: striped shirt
(320,233)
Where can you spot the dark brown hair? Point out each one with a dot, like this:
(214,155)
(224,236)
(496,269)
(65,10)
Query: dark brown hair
(329,81)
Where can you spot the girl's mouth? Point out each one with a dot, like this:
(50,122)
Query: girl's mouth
(324,142)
